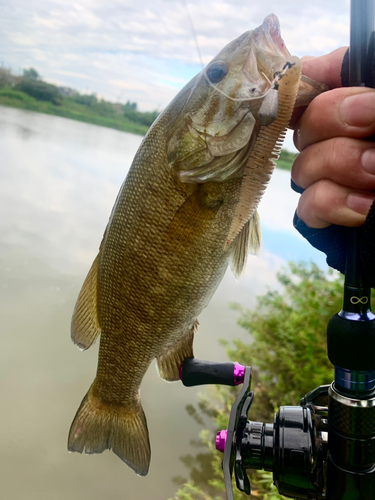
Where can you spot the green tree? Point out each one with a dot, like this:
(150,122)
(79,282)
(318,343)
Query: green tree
(41,91)
(31,74)
(289,359)
(88,100)
(131,105)
(146,118)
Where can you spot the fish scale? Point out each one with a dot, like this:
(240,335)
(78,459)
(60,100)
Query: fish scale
(164,250)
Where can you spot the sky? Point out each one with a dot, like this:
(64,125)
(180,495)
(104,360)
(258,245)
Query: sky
(145,50)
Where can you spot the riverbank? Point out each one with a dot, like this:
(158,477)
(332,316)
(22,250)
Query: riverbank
(69,109)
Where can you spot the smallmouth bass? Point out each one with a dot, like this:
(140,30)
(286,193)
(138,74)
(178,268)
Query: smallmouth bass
(186,209)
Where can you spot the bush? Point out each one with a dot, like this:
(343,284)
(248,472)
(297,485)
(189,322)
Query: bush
(15,94)
(146,118)
(31,74)
(41,91)
(85,99)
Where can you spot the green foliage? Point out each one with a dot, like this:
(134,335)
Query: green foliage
(132,105)
(288,356)
(104,108)
(31,74)
(191,492)
(15,94)
(289,332)
(286,159)
(85,99)
(30,92)
(131,113)
(41,91)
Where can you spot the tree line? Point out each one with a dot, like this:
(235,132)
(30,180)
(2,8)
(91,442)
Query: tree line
(32,84)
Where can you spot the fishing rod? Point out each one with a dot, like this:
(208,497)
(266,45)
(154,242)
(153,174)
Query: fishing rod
(325,447)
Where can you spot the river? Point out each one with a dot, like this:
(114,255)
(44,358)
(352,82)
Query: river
(59,180)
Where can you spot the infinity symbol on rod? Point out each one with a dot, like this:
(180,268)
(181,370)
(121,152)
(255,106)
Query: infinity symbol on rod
(357,300)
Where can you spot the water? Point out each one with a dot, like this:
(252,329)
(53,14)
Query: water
(59,181)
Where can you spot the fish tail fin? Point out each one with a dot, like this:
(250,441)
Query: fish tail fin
(97,427)
(169,363)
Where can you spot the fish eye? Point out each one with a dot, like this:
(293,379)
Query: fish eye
(216,72)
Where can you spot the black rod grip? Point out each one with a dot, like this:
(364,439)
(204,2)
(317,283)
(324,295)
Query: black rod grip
(351,344)
(198,372)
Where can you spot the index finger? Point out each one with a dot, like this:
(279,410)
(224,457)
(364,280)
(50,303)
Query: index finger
(324,69)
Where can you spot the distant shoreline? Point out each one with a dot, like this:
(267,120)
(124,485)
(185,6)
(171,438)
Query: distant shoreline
(79,115)
(119,123)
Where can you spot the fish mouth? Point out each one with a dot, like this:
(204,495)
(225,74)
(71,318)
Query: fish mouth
(267,56)
(268,37)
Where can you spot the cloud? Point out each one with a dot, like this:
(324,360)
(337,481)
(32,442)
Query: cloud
(70,73)
(125,41)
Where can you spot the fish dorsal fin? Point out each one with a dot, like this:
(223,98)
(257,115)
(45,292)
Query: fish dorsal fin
(85,327)
(248,240)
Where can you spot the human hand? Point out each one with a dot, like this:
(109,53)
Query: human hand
(336,165)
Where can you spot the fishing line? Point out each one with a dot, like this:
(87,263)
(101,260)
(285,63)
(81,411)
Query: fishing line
(241,99)
(193,31)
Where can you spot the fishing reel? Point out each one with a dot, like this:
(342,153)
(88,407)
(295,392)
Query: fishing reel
(322,449)
(293,447)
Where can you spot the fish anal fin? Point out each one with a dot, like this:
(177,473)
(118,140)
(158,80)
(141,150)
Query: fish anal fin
(248,240)
(98,426)
(169,363)
(85,327)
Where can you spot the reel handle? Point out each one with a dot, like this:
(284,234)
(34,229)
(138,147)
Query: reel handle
(198,372)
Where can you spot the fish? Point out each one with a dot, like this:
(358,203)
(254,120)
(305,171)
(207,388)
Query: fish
(186,210)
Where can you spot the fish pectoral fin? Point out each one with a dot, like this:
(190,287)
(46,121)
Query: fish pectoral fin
(169,363)
(193,218)
(85,327)
(98,427)
(249,240)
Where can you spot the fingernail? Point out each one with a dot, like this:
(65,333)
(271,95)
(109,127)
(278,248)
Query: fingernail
(358,110)
(360,203)
(368,161)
